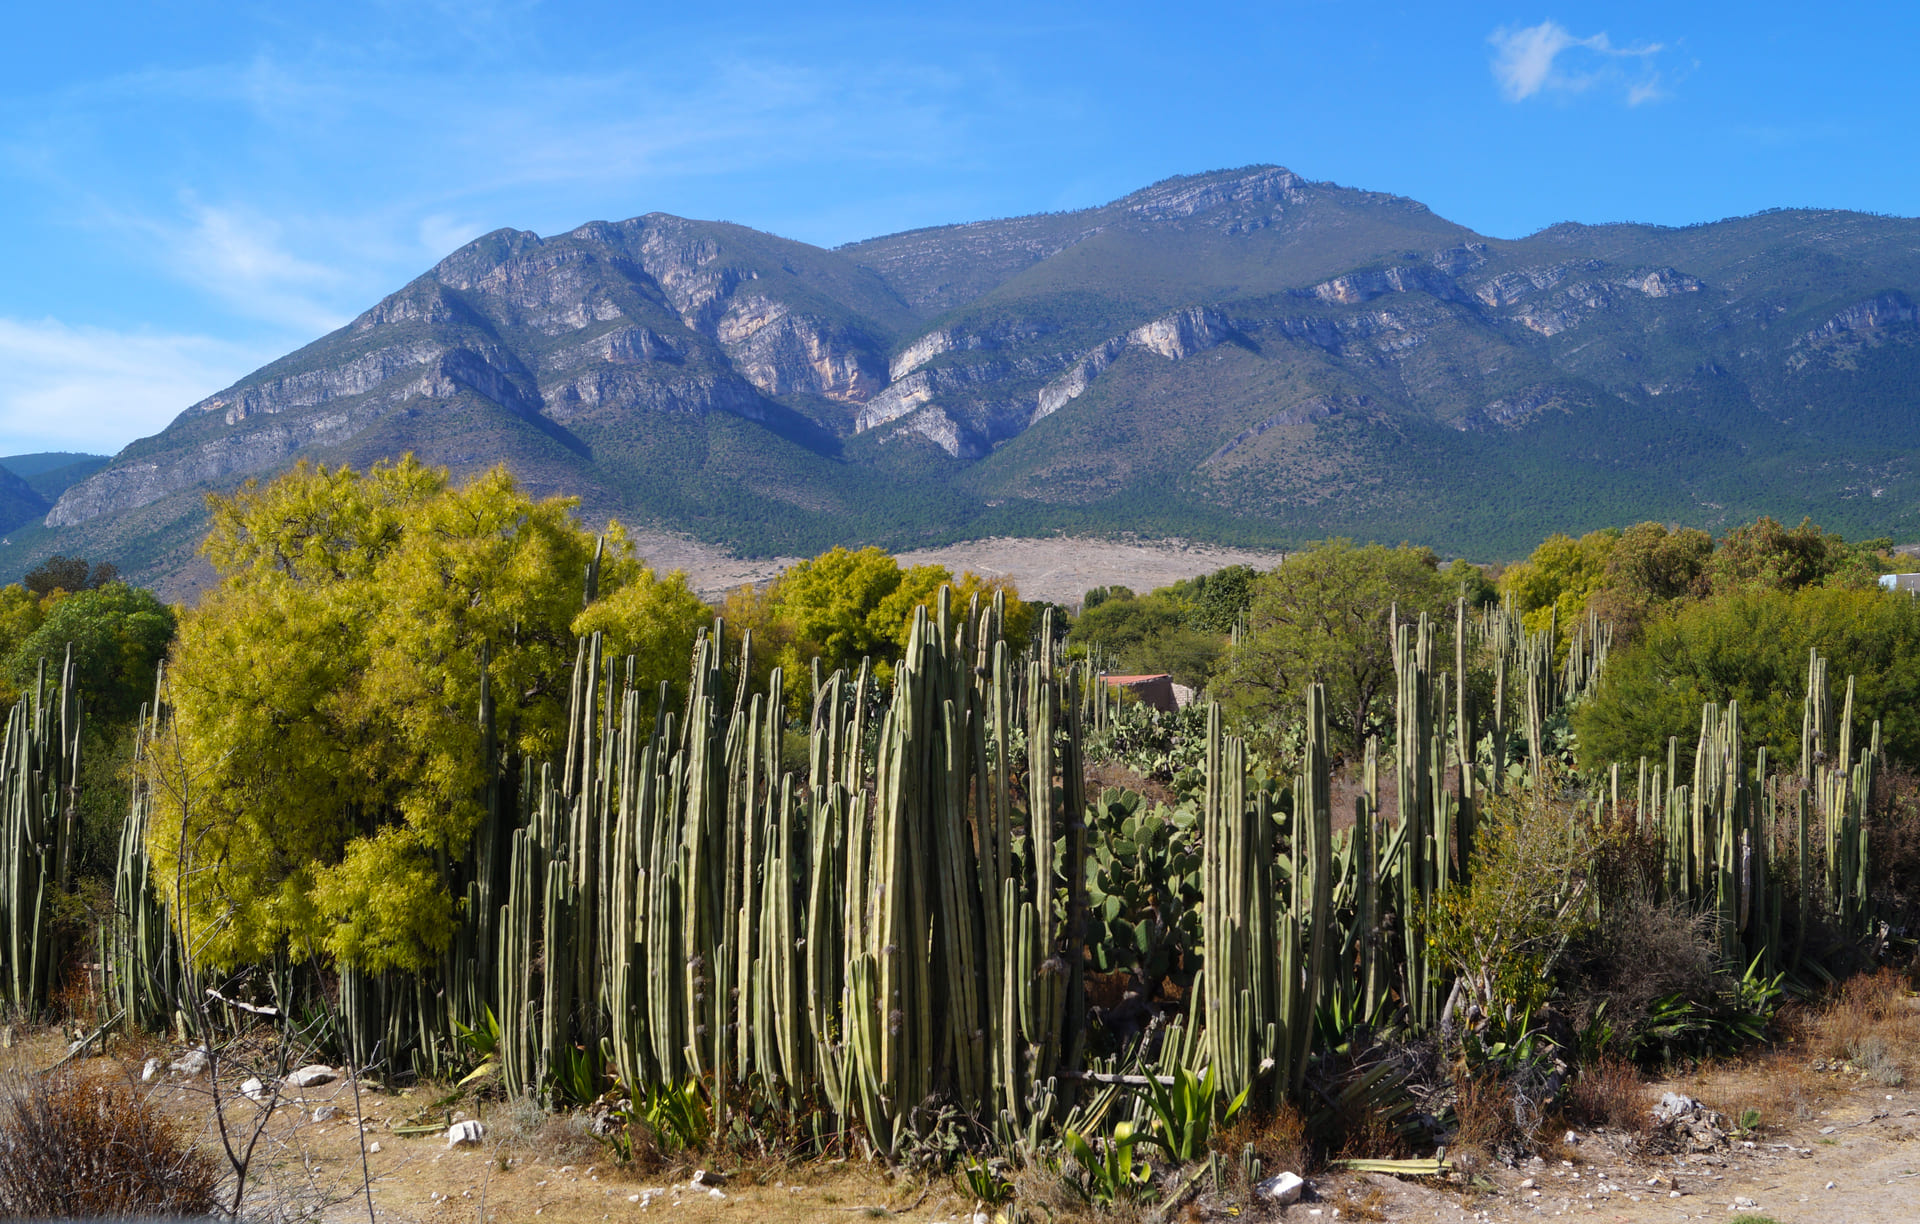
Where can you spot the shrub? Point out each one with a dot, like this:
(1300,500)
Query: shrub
(1611,1093)
(74,1146)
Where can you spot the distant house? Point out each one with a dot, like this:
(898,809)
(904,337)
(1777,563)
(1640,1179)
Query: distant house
(1910,583)
(1155,690)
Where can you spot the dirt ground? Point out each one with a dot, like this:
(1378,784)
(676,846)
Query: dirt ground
(1060,569)
(1825,1144)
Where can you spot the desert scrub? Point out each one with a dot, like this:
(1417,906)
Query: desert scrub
(74,1146)
(1506,932)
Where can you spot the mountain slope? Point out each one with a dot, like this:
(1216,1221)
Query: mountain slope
(1243,355)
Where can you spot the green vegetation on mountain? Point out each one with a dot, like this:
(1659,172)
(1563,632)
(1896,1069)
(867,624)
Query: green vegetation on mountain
(1241,356)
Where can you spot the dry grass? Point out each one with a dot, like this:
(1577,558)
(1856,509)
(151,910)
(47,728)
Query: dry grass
(1870,1023)
(1611,1093)
(1483,1116)
(1278,1138)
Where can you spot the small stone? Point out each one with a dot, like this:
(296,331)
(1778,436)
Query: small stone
(192,1063)
(1829,1185)
(1571,1139)
(716,1193)
(1828,1130)
(1744,1204)
(1528,1184)
(254,1089)
(633,1198)
(312,1076)
(1282,1189)
(465,1134)
(326,1113)
(374,1146)
(150,1071)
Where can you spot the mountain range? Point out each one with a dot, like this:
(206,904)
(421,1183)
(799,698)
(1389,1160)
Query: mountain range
(1242,357)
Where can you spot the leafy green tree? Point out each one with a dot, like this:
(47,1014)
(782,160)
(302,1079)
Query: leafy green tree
(118,633)
(325,750)
(1471,583)
(1216,601)
(63,573)
(1322,615)
(829,602)
(1752,648)
(1650,571)
(1150,634)
(1766,556)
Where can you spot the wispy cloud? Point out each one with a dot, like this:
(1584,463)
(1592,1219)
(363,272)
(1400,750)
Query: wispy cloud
(1550,59)
(90,387)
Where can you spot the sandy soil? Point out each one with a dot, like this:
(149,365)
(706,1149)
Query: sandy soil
(1830,1146)
(1060,569)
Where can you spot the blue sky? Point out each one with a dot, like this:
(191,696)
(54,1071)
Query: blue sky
(189,190)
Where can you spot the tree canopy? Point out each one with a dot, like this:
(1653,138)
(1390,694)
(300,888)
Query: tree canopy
(1322,615)
(325,743)
(118,633)
(846,605)
(1751,647)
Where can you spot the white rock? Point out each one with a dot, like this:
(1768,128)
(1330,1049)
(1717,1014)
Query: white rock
(465,1134)
(313,1076)
(193,1062)
(326,1113)
(716,1193)
(1673,1105)
(1281,1189)
(1528,1184)
(374,1146)
(1571,1138)
(254,1089)
(148,1072)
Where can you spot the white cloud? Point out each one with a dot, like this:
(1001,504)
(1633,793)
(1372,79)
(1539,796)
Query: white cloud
(1548,58)
(94,389)
(243,259)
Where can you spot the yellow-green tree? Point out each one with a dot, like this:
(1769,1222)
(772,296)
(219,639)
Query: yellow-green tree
(1559,577)
(846,605)
(325,750)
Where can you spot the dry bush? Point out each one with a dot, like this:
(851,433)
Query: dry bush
(1893,846)
(1870,1023)
(1611,1093)
(74,1146)
(1483,1115)
(1279,1138)
(1639,951)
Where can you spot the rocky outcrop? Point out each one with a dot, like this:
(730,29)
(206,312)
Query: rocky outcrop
(1306,412)
(613,393)
(126,486)
(314,412)
(1358,287)
(1180,198)
(1510,412)
(782,353)
(1882,310)
(933,344)
(307,388)
(1173,336)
